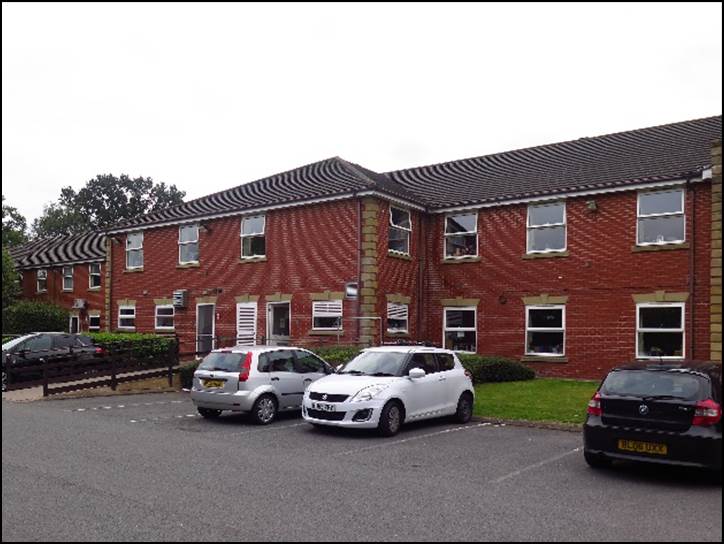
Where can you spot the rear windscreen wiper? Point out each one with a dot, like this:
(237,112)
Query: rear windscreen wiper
(664,397)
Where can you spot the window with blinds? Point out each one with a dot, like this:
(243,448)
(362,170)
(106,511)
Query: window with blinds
(327,315)
(397,317)
(246,313)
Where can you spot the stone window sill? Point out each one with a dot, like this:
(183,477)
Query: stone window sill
(325,333)
(462,260)
(247,260)
(657,247)
(398,334)
(543,359)
(550,255)
(132,270)
(188,265)
(396,255)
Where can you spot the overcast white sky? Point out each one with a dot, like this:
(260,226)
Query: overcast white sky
(209,96)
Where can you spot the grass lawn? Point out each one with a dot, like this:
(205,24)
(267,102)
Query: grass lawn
(542,399)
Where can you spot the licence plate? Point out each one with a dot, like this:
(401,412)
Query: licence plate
(643,447)
(213,384)
(323,407)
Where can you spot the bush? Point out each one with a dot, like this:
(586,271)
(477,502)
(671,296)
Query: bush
(141,346)
(25,316)
(337,355)
(495,369)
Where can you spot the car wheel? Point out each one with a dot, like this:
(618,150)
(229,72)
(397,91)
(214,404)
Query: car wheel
(464,412)
(596,461)
(391,419)
(265,410)
(209,413)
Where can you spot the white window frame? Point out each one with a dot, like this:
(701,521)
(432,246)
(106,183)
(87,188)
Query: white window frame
(91,274)
(129,249)
(187,243)
(639,216)
(172,316)
(92,328)
(65,277)
(542,226)
(446,329)
(561,329)
(252,235)
(466,233)
(44,272)
(681,330)
(321,313)
(407,230)
(396,306)
(126,327)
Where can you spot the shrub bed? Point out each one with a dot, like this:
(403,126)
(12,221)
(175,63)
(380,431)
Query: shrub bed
(26,316)
(336,355)
(487,369)
(141,346)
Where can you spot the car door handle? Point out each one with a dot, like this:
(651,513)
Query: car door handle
(275,379)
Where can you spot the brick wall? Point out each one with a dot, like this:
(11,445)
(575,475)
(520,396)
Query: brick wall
(56,295)
(599,276)
(309,250)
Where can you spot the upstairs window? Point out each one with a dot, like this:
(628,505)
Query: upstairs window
(67,278)
(188,244)
(547,227)
(41,284)
(94,276)
(400,228)
(545,330)
(134,250)
(661,217)
(252,237)
(461,236)
(327,315)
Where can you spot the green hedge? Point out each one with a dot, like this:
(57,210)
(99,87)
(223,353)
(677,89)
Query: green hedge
(486,369)
(142,346)
(25,316)
(336,355)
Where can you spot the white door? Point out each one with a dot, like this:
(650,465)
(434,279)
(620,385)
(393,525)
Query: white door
(246,323)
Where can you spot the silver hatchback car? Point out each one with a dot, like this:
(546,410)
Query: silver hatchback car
(260,380)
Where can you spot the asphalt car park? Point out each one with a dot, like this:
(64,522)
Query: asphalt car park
(148,467)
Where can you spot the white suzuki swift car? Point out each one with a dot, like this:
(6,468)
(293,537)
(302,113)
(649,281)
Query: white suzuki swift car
(385,387)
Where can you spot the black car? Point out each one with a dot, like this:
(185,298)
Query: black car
(26,354)
(667,413)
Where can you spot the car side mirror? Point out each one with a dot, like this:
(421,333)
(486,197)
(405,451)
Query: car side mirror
(417,373)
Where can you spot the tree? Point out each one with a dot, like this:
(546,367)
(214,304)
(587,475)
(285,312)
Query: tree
(14,226)
(10,280)
(103,202)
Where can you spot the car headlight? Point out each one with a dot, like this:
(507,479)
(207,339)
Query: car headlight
(368,393)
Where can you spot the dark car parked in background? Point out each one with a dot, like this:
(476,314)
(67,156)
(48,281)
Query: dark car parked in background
(667,413)
(32,350)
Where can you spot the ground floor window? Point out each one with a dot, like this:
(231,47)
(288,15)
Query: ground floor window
(660,330)
(327,315)
(545,330)
(126,317)
(460,329)
(164,317)
(94,323)
(397,317)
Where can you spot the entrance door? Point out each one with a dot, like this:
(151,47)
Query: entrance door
(74,327)
(278,323)
(205,327)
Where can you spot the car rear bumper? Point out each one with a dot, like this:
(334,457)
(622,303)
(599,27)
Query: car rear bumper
(240,401)
(698,447)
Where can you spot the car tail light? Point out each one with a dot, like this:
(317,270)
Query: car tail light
(245,368)
(594,405)
(707,413)
(100,351)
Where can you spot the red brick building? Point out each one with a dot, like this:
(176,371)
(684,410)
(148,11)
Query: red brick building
(572,257)
(67,271)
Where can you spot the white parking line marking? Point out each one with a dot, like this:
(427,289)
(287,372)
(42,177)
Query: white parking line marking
(534,466)
(122,406)
(406,440)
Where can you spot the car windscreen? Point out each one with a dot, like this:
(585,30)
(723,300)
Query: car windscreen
(675,384)
(223,362)
(376,363)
